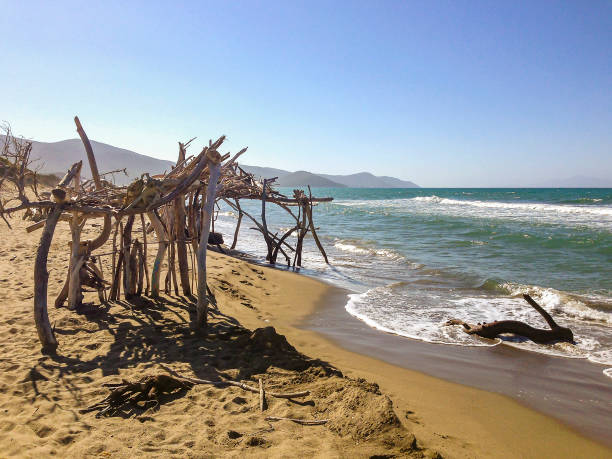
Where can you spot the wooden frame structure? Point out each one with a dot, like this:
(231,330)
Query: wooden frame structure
(179,206)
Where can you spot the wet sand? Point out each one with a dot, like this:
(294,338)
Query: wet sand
(574,391)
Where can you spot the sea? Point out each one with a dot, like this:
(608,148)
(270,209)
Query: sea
(414,258)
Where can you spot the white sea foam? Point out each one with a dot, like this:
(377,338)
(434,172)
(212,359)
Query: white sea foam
(348,246)
(608,372)
(590,216)
(397,309)
(378,308)
(562,303)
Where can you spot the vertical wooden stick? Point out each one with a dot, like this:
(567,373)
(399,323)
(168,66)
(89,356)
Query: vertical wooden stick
(90,154)
(77,257)
(214,168)
(41,276)
(128,288)
(104,297)
(264,223)
(237,225)
(93,166)
(141,268)
(312,227)
(262,396)
(181,246)
(76,262)
(144,255)
(114,259)
(41,279)
(161,250)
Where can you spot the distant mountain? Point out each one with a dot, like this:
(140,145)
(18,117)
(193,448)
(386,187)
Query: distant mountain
(265,172)
(577,181)
(303,178)
(57,157)
(367,180)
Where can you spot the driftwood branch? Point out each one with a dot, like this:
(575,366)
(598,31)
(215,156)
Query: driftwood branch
(242,386)
(262,396)
(41,275)
(542,336)
(304,422)
(214,168)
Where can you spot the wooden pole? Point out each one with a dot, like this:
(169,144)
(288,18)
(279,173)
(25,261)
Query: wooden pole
(41,280)
(237,225)
(161,250)
(144,254)
(113,262)
(181,246)
(214,167)
(134,264)
(264,223)
(41,275)
(312,227)
(90,154)
(77,257)
(118,268)
(93,166)
(262,396)
(129,288)
(141,268)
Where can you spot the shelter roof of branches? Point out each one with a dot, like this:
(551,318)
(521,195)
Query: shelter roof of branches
(178,204)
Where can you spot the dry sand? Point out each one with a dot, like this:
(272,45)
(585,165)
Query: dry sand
(393,411)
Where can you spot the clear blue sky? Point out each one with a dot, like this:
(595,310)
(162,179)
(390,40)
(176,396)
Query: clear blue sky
(458,93)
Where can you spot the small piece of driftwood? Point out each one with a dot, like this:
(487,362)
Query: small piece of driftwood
(537,335)
(304,422)
(262,396)
(234,383)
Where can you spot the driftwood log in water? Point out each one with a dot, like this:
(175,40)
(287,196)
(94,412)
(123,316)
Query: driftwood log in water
(538,335)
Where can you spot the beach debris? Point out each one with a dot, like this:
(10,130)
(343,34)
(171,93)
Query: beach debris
(542,336)
(262,396)
(145,393)
(243,386)
(180,206)
(304,422)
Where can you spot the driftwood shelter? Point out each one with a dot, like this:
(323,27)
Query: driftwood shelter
(179,206)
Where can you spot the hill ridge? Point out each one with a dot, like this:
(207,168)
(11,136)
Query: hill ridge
(56,157)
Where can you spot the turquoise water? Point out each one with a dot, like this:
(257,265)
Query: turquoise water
(415,258)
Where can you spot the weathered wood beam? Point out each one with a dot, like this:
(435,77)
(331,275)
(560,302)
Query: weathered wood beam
(41,279)
(161,250)
(41,275)
(214,168)
(237,225)
(308,208)
(179,229)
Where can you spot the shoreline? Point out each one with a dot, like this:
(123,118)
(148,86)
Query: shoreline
(476,421)
(572,391)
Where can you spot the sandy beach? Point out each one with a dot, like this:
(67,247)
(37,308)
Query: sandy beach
(372,407)
(574,391)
